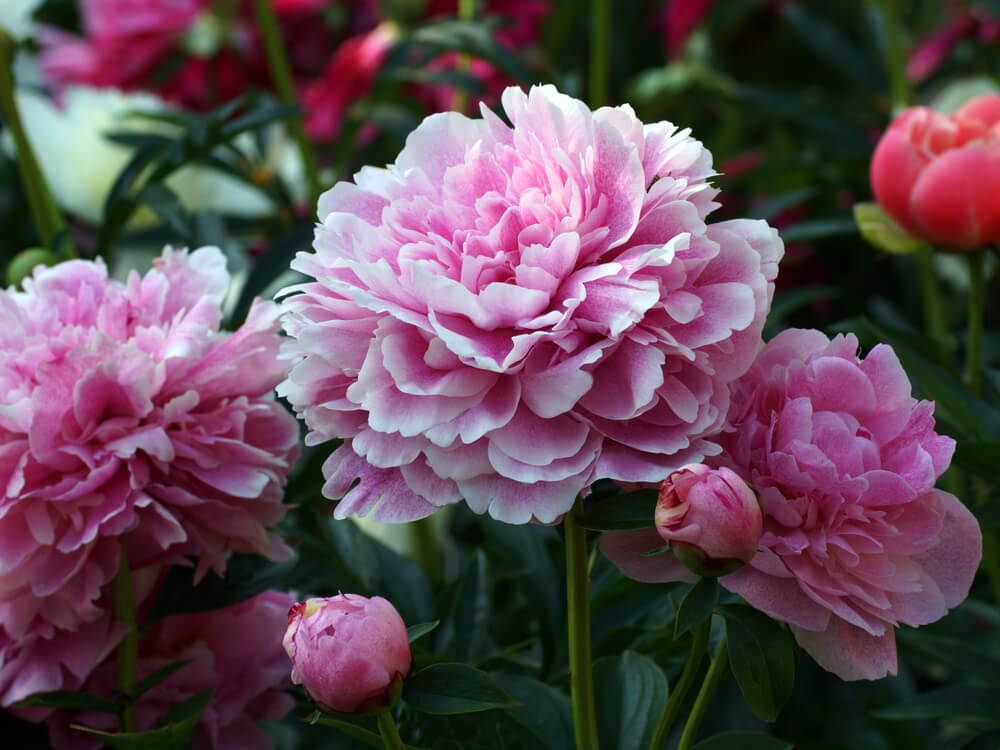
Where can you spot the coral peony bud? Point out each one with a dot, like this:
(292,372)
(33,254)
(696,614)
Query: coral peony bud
(711,519)
(349,652)
(939,175)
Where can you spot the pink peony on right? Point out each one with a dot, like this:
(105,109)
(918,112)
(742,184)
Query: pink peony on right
(856,538)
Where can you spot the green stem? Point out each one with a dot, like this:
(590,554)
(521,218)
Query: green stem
(387,728)
(933,312)
(683,686)
(281,76)
(977,305)
(128,649)
(895,64)
(581,677)
(718,667)
(600,37)
(466,12)
(48,220)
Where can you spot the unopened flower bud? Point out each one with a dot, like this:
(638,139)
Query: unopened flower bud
(711,519)
(349,652)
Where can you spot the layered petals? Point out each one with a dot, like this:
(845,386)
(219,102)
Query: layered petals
(511,312)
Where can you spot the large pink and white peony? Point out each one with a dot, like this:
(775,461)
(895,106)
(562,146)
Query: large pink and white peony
(128,422)
(509,313)
(856,538)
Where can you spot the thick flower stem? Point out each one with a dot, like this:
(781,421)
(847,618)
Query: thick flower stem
(718,667)
(683,686)
(387,728)
(933,313)
(600,38)
(48,220)
(581,677)
(466,12)
(281,76)
(895,63)
(977,305)
(128,649)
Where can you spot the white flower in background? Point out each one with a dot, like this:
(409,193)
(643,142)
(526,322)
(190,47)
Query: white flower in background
(16,16)
(81,164)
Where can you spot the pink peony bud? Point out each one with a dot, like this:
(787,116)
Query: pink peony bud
(350,653)
(711,519)
(939,175)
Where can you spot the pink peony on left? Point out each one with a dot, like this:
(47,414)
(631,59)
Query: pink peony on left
(511,312)
(128,422)
(235,651)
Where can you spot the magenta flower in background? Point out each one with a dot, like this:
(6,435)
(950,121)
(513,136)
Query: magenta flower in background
(128,421)
(236,651)
(349,652)
(507,314)
(856,539)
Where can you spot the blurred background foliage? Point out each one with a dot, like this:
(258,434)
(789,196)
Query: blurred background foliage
(790,97)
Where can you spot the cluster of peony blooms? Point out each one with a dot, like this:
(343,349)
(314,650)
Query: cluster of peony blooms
(511,312)
(129,425)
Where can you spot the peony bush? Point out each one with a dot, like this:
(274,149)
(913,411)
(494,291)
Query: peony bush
(598,405)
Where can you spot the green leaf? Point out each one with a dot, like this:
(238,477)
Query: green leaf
(69,699)
(762,657)
(465,627)
(454,688)
(246,576)
(362,735)
(274,261)
(770,208)
(181,721)
(743,741)
(696,605)
(881,231)
(167,206)
(817,229)
(987,741)
(630,691)
(153,679)
(257,118)
(951,701)
(978,659)
(980,458)
(544,711)
(828,42)
(477,38)
(625,512)
(416,631)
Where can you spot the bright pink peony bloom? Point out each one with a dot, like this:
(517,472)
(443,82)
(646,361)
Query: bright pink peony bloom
(350,653)
(856,539)
(236,651)
(128,422)
(508,314)
(939,175)
(348,77)
(710,518)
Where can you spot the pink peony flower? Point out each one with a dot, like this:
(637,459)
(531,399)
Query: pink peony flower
(856,539)
(127,422)
(939,175)
(710,518)
(350,653)
(236,651)
(348,76)
(507,314)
